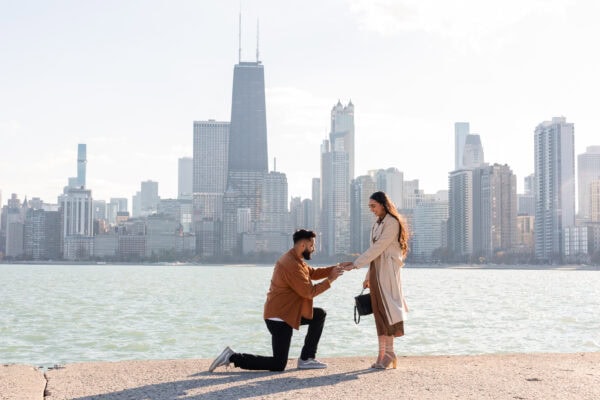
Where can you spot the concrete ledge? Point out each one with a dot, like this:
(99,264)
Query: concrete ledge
(514,376)
(21,382)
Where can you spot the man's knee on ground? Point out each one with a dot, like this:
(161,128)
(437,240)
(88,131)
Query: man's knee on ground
(279,366)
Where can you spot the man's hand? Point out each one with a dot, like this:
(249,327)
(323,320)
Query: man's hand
(335,273)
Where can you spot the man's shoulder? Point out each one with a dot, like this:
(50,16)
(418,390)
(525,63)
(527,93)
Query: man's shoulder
(289,260)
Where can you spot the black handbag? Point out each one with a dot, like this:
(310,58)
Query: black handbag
(362,306)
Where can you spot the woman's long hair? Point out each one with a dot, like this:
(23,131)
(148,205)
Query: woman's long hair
(390,208)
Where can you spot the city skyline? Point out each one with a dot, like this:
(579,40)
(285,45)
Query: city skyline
(132,93)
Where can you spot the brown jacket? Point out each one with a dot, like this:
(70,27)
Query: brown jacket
(291,292)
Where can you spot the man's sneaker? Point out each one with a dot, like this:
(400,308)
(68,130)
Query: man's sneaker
(311,363)
(223,359)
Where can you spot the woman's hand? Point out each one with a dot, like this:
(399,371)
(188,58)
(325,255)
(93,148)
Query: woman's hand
(347,266)
(365,283)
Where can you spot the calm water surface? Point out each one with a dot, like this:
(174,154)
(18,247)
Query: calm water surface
(57,314)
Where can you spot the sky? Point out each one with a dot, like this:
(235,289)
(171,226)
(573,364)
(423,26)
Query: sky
(128,78)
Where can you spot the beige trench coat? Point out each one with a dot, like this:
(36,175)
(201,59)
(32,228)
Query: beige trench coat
(386,254)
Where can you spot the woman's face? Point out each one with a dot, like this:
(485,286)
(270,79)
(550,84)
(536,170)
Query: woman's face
(377,208)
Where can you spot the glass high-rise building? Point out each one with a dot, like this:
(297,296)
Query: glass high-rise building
(337,172)
(341,136)
(149,197)
(275,216)
(248,132)
(495,210)
(335,214)
(461,131)
(554,145)
(429,229)
(210,159)
(209,177)
(588,171)
(361,217)
(77,225)
(460,214)
(472,152)
(185,180)
(247,157)
(81,164)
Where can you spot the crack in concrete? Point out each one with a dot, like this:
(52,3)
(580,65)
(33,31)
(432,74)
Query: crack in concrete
(46,393)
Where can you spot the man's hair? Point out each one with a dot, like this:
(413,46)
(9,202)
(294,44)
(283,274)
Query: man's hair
(301,234)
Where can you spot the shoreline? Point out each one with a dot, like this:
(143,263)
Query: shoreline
(541,267)
(498,376)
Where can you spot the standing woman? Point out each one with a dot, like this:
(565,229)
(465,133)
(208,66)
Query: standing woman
(389,245)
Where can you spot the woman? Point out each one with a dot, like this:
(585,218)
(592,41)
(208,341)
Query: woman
(389,245)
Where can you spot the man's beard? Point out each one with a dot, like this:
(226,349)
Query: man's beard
(306,254)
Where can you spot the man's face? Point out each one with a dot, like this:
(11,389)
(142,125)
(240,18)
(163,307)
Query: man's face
(309,248)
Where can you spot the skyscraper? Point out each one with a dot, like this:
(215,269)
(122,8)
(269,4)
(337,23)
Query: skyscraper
(210,163)
(15,222)
(429,229)
(494,210)
(526,201)
(317,208)
(391,181)
(361,218)
(461,130)
(472,152)
(341,136)
(595,201)
(77,213)
(247,157)
(554,145)
(185,180)
(271,233)
(210,159)
(248,134)
(81,164)
(275,216)
(335,215)
(337,172)
(42,234)
(115,205)
(588,171)
(149,197)
(460,214)
(77,223)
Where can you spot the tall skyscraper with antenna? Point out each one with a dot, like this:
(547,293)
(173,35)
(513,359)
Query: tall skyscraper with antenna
(248,159)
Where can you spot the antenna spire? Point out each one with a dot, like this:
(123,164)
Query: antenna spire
(240,36)
(257,32)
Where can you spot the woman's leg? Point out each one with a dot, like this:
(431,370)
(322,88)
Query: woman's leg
(390,355)
(381,352)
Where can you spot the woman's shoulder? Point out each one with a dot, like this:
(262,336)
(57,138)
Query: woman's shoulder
(390,220)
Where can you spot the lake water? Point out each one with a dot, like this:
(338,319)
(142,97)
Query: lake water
(57,314)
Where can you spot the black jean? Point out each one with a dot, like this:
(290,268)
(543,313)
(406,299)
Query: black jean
(281,338)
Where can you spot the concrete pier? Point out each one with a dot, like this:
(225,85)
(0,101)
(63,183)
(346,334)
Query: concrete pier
(511,376)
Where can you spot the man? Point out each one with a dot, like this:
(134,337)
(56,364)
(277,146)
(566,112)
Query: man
(290,304)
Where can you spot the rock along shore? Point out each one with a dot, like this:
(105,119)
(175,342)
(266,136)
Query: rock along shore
(510,376)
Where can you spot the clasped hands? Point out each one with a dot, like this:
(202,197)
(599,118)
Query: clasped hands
(346,266)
